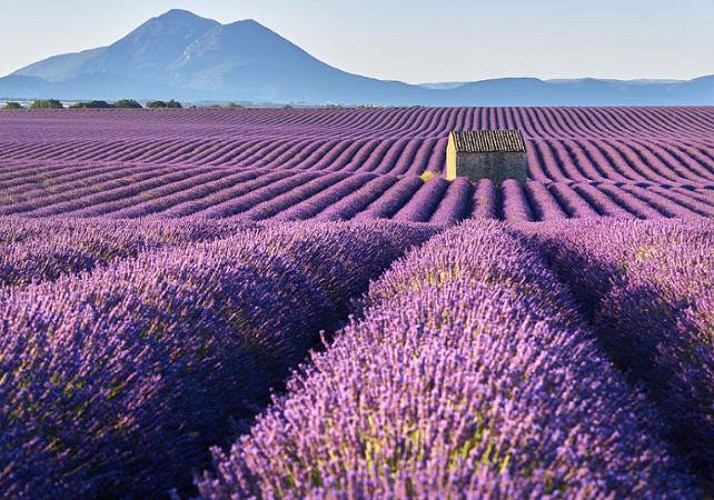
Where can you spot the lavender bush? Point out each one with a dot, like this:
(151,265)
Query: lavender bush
(35,250)
(648,287)
(116,382)
(471,375)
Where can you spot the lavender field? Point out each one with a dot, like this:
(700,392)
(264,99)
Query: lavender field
(294,303)
(340,164)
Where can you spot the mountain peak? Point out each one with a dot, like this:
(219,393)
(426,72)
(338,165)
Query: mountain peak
(179,19)
(172,22)
(179,14)
(249,22)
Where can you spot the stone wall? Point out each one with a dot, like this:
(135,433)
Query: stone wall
(495,166)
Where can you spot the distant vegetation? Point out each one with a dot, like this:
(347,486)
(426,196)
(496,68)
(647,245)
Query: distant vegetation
(98,104)
(127,104)
(163,104)
(158,104)
(120,104)
(92,105)
(46,104)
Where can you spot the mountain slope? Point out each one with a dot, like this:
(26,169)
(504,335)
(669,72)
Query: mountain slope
(59,68)
(184,56)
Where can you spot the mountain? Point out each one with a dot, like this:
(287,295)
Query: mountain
(582,92)
(183,56)
(442,85)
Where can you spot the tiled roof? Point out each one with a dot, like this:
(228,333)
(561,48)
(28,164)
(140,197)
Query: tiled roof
(488,141)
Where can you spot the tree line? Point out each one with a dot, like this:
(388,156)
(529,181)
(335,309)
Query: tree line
(120,104)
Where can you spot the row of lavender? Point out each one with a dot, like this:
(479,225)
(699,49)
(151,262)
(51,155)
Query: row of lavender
(648,288)
(115,382)
(680,124)
(44,249)
(572,158)
(473,374)
(213,192)
(653,144)
(428,424)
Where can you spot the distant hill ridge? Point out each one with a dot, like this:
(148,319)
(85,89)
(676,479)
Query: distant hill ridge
(181,55)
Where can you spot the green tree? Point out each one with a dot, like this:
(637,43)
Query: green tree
(13,105)
(99,105)
(163,104)
(46,104)
(92,105)
(127,104)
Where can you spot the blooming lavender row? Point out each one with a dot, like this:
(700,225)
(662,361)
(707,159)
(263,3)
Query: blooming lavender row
(455,204)
(649,288)
(485,201)
(638,125)
(314,205)
(611,158)
(117,382)
(545,205)
(35,250)
(182,195)
(516,207)
(278,204)
(572,202)
(285,194)
(658,145)
(213,198)
(85,199)
(239,204)
(472,375)
(392,200)
(355,202)
(421,206)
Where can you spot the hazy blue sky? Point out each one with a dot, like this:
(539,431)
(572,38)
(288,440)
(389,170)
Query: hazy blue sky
(412,40)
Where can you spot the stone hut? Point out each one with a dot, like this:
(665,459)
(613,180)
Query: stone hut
(493,154)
